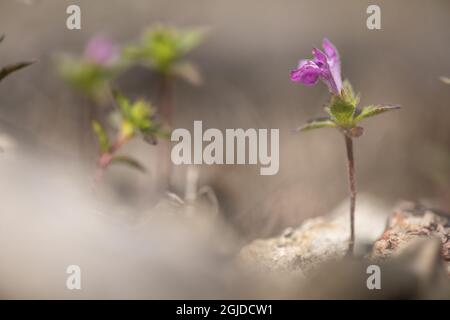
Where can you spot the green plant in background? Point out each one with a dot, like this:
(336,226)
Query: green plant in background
(163,49)
(9,69)
(137,118)
(91,75)
(344,112)
(93,72)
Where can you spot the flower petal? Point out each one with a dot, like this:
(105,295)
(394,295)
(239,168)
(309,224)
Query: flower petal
(328,79)
(330,50)
(334,62)
(302,62)
(324,66)
(308,73)
(101,51)
(320,58)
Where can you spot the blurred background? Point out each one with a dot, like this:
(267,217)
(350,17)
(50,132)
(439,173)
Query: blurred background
(245,62)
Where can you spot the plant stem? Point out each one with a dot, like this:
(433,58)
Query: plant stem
(105,158)
(166,104)
(166,113)
(352,188)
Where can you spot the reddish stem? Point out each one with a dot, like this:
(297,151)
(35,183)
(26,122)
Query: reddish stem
(166,113)
(352,188)
(166,103)
(105,158)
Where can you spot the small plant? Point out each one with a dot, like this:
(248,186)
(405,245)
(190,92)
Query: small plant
(343,111)
(5,71)
(93,72)
(137,118)
(163,49)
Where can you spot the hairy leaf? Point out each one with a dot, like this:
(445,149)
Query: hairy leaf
(5,71)
(89,78)
(127,129)
(102,137)
(140,114)
(133,163)
(190,39)
(348,94)
(370,111)
(123,103)
(154,132)
(188,72)
(317,123)
(341,111)
(136,116)
(163,47)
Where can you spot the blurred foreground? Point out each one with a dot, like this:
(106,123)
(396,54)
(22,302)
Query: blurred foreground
(177,249)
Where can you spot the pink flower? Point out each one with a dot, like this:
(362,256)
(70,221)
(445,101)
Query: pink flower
(325,66)
(102,51)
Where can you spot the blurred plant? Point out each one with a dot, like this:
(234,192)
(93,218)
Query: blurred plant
(137,118)
(445,80)
(9,69)
(164,49)
(94,70)
(5,71)
(343,111)
(91,74)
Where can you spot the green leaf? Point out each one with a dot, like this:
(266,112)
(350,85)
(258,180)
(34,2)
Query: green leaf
(341,111)
(5,71)
(127,128)
(102,137)
(190,39)
(89,78)
(162,48)
(445,80)
(159,48)
(123,103)
(136,116)
(317,123)
(348,94)
(154,132)
(370,111)
(188,72)
(140,113)
(342,108)
(133,163)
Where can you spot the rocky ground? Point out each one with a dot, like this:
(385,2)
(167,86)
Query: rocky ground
(411,246)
